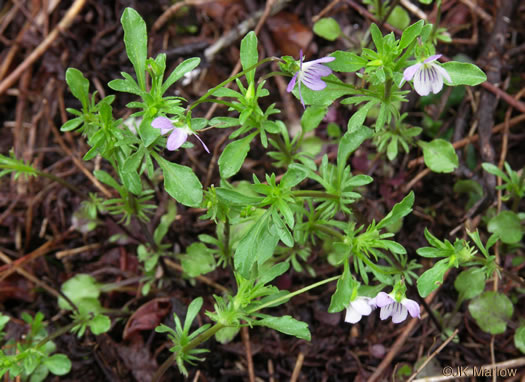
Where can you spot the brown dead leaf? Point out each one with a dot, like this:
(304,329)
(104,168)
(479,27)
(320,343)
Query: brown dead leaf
(147,317)
(289,34)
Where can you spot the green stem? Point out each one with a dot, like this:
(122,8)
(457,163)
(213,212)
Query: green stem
(315,194)
(330,231)
(215,328)
(59,332)
(293,294)
(60,180)
(388,89)
(227,81)
(192,344)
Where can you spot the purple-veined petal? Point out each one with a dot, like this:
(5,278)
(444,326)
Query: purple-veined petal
(422,82)
(352,316)
(318,70)
(443,72)
(410,71)
(386,311)
(176,139)
(162,123)
(432,58)
(361,305)
(412,306)
(291,84)
(399,313)
(314,83)
(382,299)
(203,144)
(437,81)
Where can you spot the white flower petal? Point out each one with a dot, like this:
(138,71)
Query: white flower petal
(164,124)
(382,299)
(443,73)
(352,316)
(409,72)
(412,306)
(386,311)
(361,305)
(176,139)
(399,313)
(422,82)
(436,81)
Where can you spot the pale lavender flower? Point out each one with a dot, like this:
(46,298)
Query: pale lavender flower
(427,75)
(178,135)
(361,306)
(398,310)
(310,74)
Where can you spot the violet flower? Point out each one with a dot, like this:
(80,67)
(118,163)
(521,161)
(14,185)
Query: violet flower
(398,310)
(178,135)
(310,74)
(361,306)
(428,76)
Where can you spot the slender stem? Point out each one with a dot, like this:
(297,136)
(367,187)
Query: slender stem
(436,24)
(330,231)
(61,181)
(315,194)
(227,81)
(192,344)
(388,89)
(215,328)
(293,294)
(58,333)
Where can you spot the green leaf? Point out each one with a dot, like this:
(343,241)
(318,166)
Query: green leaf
(58,364)
(129,175)
(470,283)
(183,68)
(180,182)
(135,39)
(287,325)
(377,37)
(256,246)
(233,156)
(491,311)
(327,28)
(399,18)
(249,55)
(99,324)
(357,120)
(199,260)
(494,170)
(193,309)
(224,122)
(346,62)
(439,155)
(519,338)
(105,178)
(79,85)
(72,124)
(410,34)
(126,85)
(165,223)
(351,141)
(432,278)
(226,335)
(507,226)
(462,73)
(343,292)
(399,211)
(78,288)
(312,117)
